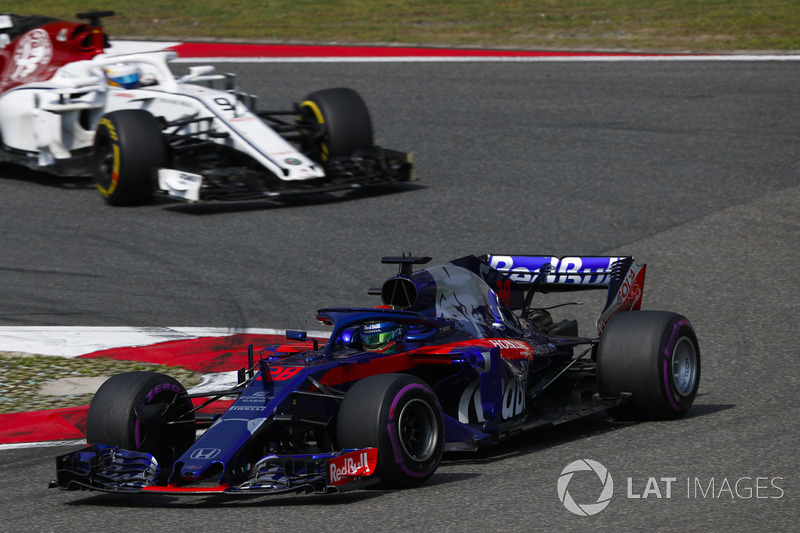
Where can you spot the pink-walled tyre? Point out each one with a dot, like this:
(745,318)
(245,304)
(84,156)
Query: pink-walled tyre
(138,411)
(400,416)
(655,356)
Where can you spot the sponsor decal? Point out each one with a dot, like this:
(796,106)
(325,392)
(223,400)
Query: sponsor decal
(508,344)
(191,178)
(628,297)
(630,292)
(522,349)
(205,454)
(470,406)
(255,397)
(510,349)
(293,161)
(161,387)
(177,102)
(579,270)
(31,55)
(352,466)
(514,398)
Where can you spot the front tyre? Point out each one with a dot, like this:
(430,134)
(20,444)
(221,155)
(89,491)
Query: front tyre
(346,126)
(400,416)
(655,356)
(128,145)
(137,411)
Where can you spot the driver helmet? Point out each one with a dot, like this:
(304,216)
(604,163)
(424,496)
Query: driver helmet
(381,337)
(122,75)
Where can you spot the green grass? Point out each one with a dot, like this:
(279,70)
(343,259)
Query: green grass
(22,375)
(670,25)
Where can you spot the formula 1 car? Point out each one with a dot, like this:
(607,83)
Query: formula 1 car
(69,108)
(455,358)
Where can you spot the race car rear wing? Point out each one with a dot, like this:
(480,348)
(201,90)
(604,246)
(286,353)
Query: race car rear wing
(621,276)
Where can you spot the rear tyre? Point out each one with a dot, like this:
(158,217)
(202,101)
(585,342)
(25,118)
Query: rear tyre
(347,126)
(655,356)
(128,145)
(400,416)
(131,410)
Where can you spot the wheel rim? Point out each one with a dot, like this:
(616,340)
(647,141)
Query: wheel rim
(684,366)
(419,432)
(104,163)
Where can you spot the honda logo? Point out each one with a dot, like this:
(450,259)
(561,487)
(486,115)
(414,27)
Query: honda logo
(204,454)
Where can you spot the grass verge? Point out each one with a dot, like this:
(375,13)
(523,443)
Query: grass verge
(665,25)
(23,375)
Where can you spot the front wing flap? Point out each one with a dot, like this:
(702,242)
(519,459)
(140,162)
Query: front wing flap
(111,469)
(374,167)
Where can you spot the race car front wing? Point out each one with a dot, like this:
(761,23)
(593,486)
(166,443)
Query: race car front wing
(373,167)
(111,469)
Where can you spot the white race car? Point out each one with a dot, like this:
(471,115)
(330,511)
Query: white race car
(69,108)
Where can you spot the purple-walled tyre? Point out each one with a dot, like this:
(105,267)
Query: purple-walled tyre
(655,356)
(132,411)
(399,415)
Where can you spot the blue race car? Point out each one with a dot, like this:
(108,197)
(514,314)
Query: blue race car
(457,357)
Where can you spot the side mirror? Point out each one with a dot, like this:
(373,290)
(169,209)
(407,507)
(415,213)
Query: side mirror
(302,336)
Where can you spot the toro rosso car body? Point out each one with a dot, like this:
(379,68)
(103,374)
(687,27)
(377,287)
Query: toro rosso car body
(70,108)
(457,357)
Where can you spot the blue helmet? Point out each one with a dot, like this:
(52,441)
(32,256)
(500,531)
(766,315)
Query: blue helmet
(380,337)
(122,75)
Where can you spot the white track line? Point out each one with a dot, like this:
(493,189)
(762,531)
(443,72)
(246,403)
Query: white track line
(128,47)
(76,341)
(493,59)
(46,444)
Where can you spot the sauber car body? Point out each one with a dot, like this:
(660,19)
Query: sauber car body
(473,362)
(194,137)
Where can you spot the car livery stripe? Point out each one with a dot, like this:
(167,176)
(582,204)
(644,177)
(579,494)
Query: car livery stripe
(509,348)
(379,365)
(441,354)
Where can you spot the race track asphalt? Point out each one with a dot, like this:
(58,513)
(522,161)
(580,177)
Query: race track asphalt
(692,167)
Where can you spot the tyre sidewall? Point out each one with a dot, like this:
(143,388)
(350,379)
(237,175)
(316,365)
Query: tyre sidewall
(678,330)
(375,423)
(112,418)
(635,355)
(348,126)
(136,146)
